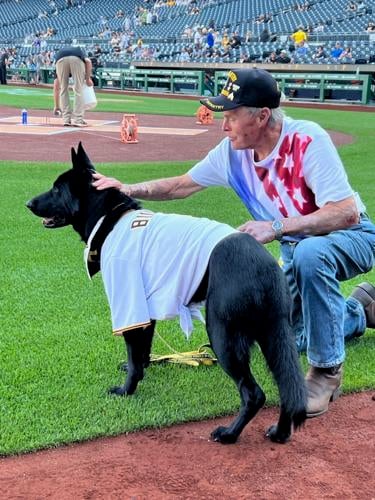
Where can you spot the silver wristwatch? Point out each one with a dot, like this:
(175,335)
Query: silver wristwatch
(278,227)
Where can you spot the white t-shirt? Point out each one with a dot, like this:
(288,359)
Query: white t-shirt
(301,174)
(152,264)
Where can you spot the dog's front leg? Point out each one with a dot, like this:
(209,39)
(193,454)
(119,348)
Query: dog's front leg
(138,345)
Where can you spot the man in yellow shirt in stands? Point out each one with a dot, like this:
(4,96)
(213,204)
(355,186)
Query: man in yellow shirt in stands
(299,36)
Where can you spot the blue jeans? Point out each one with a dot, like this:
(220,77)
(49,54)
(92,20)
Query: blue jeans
(322,318)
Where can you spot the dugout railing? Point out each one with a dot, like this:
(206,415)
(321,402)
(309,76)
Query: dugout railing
(316,86)
(160,80)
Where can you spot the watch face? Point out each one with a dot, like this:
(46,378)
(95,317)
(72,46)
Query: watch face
(277,225)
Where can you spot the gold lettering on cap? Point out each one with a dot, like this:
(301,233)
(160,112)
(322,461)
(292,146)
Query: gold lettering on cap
(217,107)
(229,90)
(232,76)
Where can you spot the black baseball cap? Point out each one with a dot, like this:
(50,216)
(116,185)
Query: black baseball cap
(255,88)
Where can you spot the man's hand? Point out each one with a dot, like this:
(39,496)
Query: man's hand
(89,82)
(102,182)
(260,230)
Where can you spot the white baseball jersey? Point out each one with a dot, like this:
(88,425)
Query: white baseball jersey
(152,264)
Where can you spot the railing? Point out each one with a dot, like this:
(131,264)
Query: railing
(146,80)
(316,86)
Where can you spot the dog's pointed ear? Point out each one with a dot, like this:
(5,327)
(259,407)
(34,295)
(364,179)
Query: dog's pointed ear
(74,157)
(82,161)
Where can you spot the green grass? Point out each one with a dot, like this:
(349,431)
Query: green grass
(58,356)
(42,98)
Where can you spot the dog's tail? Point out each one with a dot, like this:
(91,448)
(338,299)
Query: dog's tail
(282,359)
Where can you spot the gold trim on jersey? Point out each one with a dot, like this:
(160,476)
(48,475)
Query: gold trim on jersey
(120,331)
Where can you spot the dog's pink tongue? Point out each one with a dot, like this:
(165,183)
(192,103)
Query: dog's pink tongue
(46,222)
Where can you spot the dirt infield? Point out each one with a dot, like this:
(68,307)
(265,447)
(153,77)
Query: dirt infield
(161,138)
(332,457)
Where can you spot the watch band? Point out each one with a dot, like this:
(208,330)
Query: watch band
(278,227)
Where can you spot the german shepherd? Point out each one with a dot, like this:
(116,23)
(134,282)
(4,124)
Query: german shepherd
(246,294)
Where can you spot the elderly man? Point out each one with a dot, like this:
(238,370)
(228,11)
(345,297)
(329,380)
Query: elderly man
(290,178)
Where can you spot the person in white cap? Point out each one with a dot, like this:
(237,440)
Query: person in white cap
(291,179)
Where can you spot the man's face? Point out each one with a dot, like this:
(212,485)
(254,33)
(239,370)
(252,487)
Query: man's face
(243,128)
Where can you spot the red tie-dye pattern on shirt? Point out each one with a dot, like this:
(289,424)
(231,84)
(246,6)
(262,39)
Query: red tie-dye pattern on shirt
(288,168)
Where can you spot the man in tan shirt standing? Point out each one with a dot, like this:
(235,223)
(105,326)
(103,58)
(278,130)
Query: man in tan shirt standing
(72,62)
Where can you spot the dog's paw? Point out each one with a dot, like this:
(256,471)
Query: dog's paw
(222,435)
(117,390)
(277,437)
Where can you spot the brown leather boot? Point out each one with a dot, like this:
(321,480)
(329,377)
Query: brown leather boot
(365,294)
(323,385)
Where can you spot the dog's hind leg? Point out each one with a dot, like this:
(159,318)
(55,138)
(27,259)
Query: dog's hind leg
(138,345)
(233,357)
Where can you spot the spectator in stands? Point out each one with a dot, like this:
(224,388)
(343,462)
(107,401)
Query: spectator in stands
(72,61)
(30,65)
(351,7)
(336,51)
(198,38)
(184,56)
(140,42)
(245,58)
(346,55)
(4,59)
(265,35)
(319,28)
(37,41)
(127,24)
(291,179)
(299,36)
(271,58)
(95,64)
(225,41)
(211,24)
(309,30)
(226,52)
(210,40)
(283,57)
(248,36)
(320,53)
(301,50)
(267,18)
(40,61)
(97,51)
(235,40)
(187,33)
(370,28)
(149,17)
(115,40)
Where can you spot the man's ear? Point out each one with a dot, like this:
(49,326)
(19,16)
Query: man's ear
(264,115)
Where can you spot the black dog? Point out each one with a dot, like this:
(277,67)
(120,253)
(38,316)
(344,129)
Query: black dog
(247,300)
